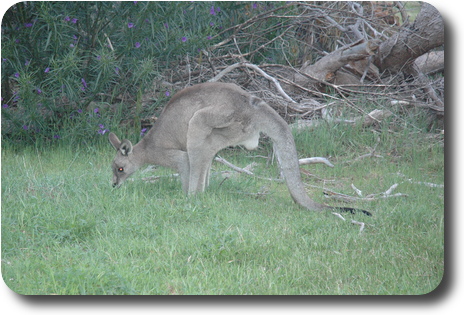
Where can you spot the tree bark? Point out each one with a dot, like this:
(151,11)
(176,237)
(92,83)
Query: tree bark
(426,33)
(325,68)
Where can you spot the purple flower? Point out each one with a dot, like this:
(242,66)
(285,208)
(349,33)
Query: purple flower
(166,25)
(25,127)
(184,39)
(56,137)
(28,24)
(99,57)
(116,69)
(67,18)
(137,45)
(79,111)
(96,110)
(142,132)
(39,91)
(130,25)
(84,84)
(28,62)
(47,70)
(255,5)
(212,11)
(16,75)
(102,130)
(5,106)
(74,20)
(167,93)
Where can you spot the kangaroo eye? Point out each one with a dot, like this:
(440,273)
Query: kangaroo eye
(121,169)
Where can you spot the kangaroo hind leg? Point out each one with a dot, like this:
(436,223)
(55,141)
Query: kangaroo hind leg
(208,133)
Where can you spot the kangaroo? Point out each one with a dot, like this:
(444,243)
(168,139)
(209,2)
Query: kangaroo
(201,120)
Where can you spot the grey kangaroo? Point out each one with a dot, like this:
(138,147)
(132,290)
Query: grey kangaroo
(201,120)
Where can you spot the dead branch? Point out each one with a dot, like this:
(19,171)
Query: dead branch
(389,191)
(232,166)
(356,190)
(257,69)
(338,215)
(314,160)
(361,224)
(431,62)
(427,184)
(325,68)
(372,197)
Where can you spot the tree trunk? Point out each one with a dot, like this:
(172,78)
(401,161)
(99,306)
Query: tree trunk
(426,33)
(325,69)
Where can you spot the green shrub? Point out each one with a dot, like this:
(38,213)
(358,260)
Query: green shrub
(61,61)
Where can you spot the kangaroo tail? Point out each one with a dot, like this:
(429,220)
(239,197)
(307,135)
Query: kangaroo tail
(278,130)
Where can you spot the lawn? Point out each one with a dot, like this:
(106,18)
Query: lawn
(65,230)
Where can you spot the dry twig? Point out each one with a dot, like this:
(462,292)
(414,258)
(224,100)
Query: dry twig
(257,69)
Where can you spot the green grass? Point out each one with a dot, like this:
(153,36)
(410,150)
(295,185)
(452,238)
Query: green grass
(66,231)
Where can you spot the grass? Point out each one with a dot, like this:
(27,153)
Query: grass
(66,231)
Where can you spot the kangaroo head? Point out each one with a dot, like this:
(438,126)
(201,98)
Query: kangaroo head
(125,162)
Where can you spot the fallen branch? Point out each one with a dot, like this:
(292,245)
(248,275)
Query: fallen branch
(257,69)
(339,215)
(375,116)
(361,224)
(356,190)
(390,190)
(427,184)
(325,68)
(410,180)
(232,166)
(372,197)
(314,160)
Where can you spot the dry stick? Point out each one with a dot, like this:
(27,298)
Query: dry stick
(239,27)
(339,215)
(389,191)
(346,198)
(257,69)
(361,224)
(304,161)
(427,184)
(232,166)
(357,191)
(358,223)
(314,160)
(242,55)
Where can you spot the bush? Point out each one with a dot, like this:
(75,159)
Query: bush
(68,67)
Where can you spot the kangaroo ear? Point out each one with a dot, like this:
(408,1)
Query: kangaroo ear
(126,147)
(114,140)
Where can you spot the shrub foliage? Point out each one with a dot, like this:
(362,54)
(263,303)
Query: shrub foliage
(64,63)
